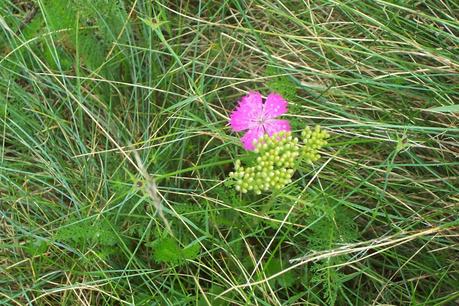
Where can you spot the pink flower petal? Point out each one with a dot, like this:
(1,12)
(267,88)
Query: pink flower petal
(251,136)
(274,106)
(250,108)
(274,126)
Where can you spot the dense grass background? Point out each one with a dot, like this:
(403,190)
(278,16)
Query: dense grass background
(115,151)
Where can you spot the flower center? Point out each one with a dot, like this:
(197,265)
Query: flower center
(261,120)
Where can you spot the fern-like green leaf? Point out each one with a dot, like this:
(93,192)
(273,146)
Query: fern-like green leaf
(281,84)
(81,233)
(332,226)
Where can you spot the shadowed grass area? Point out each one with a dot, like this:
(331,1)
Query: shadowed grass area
(115,153)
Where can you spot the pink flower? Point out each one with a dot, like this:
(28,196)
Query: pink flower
(258,117)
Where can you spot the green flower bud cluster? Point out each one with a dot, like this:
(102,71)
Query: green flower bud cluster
(313,141)
(275,164)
